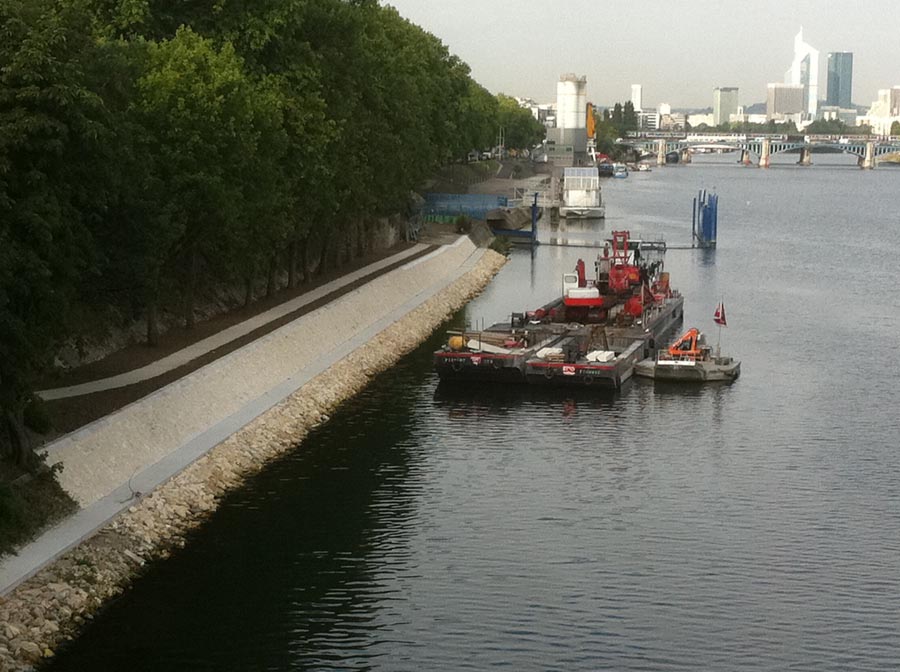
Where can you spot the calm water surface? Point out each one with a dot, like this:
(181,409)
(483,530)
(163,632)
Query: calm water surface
(748,527)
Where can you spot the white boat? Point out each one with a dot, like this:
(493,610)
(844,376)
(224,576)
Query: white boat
(581,194)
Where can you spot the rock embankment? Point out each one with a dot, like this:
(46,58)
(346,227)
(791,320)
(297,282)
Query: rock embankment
(53,605)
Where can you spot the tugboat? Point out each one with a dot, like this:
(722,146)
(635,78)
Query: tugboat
(594,334)
(689,359)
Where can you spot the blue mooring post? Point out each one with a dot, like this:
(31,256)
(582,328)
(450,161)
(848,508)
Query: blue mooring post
(704,222)
(534,218)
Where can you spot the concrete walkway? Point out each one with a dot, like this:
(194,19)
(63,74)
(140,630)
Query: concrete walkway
(225,336)
(143,445)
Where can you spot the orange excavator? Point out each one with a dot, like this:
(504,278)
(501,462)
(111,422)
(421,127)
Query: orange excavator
(690,346)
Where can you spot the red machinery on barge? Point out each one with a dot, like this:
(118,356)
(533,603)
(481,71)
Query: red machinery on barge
(593,334)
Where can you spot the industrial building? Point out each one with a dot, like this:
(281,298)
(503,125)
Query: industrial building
(567,143)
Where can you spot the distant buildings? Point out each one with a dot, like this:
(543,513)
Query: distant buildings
(725,104)
(786,102)
(543,112)
(700,119)
(648,120)
(883,112)
(804,72)
(637,94)
(567,143)
(839,88)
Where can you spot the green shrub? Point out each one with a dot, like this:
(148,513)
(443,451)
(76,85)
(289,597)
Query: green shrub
(12,516)
(37,418)
(501,245)
(463,224)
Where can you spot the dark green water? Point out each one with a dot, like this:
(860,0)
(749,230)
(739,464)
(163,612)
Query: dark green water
(748,527)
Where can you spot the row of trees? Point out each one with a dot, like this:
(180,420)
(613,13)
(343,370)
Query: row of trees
(150,149)
(612,124)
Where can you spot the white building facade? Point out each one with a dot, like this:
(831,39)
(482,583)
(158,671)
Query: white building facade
(637,97)
(804,72)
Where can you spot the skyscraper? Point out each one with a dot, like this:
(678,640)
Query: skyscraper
(804,72)
(840,79)
(636,96)
(725,103)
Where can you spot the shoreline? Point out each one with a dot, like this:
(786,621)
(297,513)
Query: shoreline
(51,607)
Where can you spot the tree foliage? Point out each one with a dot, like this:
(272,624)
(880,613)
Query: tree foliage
(521,129)
(150,149)
(50,125)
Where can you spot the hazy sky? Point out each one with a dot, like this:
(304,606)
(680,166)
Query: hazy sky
(679,51)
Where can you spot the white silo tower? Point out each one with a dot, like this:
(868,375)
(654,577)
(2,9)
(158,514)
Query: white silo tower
(571,102)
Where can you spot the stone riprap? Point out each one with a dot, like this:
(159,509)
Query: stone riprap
(51,606)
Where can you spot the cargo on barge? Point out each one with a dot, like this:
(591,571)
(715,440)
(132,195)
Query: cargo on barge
(592,335)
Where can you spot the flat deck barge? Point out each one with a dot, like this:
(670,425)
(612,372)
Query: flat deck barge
(550,353)
(594,334)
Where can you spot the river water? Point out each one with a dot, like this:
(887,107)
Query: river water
(754,526)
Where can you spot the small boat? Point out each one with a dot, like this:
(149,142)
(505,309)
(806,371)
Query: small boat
(689,359)
(620,170)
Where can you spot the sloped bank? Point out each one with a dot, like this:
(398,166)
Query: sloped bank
(51,606)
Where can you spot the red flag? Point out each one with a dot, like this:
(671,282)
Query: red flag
(719,317)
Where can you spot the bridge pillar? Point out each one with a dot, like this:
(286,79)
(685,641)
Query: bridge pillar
(745,157)
(805,156)
(686,155)
(868,161)
(764,153)
(661,152)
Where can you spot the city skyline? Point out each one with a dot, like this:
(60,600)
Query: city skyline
(677,57)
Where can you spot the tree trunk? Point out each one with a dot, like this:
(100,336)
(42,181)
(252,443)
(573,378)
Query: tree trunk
(304,259)
(248,288)
(292,262)
(361,237)
(152,323)
(270,276)
(19,443)
(191,289)
(326,248)
(153,312)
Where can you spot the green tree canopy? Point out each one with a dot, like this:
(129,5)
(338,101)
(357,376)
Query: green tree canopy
(521,129)
(50,123)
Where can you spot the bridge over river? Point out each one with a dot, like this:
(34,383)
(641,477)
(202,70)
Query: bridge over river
(760,148)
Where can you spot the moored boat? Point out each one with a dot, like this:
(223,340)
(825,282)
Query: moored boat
(594,334)
(581,194)
(689,359)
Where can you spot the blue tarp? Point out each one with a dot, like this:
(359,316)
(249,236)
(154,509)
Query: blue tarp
(475,206)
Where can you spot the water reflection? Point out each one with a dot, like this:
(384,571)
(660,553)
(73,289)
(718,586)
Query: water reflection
(661,527)
(580,232)
(293,570)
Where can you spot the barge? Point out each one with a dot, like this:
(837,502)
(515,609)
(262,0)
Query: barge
(592,335)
